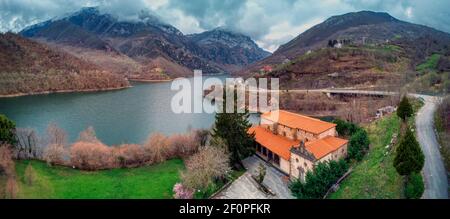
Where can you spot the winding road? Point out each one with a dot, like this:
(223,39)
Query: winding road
(435,175)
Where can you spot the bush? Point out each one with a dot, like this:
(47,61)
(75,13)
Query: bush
(54,154)
(7,129)
(128,155)
(182,192)
(345,128)
(318,182)
(182,145)
(156,148)
(91,156)
(358,145)
(414,187)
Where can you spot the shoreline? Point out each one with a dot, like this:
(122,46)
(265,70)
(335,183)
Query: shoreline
(150,80)
(63,91)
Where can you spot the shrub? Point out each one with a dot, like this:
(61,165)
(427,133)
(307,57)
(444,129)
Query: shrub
(358,145)
(182,145)
(345,128)
(156,148)
(182,192)
(7,129)
(414,187)
(318,182)
(54,154)
(91,156)
(204,167)
(129,155)
(261,173)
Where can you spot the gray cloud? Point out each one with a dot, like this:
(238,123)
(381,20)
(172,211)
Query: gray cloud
(268,22)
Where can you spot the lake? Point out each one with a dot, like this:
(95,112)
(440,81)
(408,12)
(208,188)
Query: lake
(120,116)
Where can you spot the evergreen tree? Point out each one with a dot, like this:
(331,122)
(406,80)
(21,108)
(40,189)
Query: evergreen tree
(414,187)
(233,129)
(404,109)
(7,128)
(358,145)
(409,157)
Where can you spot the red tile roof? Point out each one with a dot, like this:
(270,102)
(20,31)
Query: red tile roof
(298,121)
(277,144)
(322,147)
(281,145)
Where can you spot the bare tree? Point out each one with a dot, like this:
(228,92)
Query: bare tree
(88,135)
(56,135)
(156,148)
(54,154)
(27,146)
(204,167)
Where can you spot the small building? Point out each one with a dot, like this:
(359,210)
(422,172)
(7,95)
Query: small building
(385,111)
(295,143)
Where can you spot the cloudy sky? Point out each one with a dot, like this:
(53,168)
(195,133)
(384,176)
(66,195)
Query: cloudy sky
(269,22)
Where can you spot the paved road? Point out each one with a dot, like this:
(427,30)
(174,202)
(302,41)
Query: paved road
(435,175)
(245,187)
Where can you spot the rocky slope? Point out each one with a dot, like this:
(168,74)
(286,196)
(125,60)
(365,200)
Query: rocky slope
(145,40)
(226,47)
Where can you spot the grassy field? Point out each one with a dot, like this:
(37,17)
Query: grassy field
(375,176)
(154,181)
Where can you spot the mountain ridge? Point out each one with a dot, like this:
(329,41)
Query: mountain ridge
(363,27)
(144,40)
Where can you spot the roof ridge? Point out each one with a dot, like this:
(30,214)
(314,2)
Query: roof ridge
(308,117)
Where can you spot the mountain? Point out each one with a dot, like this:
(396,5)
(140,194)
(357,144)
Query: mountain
(357,29)
(146,40)
(28,67)
(227,47)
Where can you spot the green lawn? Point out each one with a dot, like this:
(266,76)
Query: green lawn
(375,176)
(154,181)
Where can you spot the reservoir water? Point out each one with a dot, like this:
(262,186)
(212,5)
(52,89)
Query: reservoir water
(120,116)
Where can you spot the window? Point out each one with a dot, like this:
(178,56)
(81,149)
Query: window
(306,165)
(296,160)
